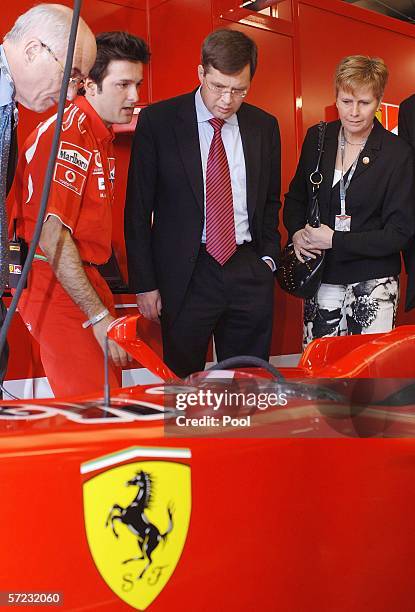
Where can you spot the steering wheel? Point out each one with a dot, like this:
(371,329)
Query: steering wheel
(247,361)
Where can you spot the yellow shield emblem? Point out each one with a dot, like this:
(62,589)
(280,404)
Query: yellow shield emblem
(137,516)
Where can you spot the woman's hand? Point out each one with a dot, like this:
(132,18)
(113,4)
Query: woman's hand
(318,237)
(303,247)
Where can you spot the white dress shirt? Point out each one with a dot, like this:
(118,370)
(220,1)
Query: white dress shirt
(232,142)
(6,88)
(231,138)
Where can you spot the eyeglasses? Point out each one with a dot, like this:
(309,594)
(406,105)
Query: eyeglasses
(75,82)
(221,91)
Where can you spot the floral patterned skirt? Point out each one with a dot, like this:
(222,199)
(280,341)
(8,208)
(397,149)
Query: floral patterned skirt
(368,307)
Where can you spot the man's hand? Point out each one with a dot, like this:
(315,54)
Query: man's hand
(149,304)
(115,352)
(303,247)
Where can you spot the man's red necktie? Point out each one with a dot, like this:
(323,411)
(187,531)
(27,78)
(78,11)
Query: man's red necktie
(220,223)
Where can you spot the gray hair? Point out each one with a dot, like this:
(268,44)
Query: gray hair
(51,21)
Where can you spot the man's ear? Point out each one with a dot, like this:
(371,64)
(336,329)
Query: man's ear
(32,49)
(91,88)
(200,73)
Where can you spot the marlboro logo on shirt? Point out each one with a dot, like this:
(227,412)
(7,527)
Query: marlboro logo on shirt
(72,154)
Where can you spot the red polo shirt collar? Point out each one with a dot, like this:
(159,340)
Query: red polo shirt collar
(101,131)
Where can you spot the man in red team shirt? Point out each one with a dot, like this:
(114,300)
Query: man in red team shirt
(67,305)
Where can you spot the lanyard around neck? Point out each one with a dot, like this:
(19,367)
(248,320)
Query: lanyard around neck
(344,187)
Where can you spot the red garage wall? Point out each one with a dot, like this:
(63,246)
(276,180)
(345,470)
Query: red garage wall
(298,54)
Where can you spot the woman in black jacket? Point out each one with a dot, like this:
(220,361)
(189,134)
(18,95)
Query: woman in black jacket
(367,208)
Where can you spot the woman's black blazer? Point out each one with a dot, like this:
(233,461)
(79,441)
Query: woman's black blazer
(380,199)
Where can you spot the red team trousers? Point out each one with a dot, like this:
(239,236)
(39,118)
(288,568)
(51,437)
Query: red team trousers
(72,358)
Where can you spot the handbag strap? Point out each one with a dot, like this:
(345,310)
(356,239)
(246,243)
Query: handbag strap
(316,178)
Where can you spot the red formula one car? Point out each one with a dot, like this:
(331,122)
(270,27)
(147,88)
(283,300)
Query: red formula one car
(184,495)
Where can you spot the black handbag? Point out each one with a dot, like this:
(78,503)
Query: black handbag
(304,279)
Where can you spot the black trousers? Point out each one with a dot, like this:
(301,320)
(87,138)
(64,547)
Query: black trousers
(233,302)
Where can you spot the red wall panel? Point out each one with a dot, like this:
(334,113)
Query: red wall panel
(177,28)
(347,35)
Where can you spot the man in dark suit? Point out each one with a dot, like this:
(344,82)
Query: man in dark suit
(406,130)
(201,212)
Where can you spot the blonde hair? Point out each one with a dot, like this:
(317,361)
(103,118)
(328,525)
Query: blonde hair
(355,71)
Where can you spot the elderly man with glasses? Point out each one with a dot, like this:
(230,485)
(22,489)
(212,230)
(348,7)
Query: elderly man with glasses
(34,53)
(31,74)
(201,214)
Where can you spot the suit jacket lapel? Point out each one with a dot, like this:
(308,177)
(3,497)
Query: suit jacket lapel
(251,144)
(370,151)
(188,143)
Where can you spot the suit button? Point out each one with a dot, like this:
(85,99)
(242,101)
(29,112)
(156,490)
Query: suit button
(192,259)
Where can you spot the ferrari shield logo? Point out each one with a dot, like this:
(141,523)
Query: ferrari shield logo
(136,518)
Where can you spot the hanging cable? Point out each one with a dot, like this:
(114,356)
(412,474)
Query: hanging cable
(48,176)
